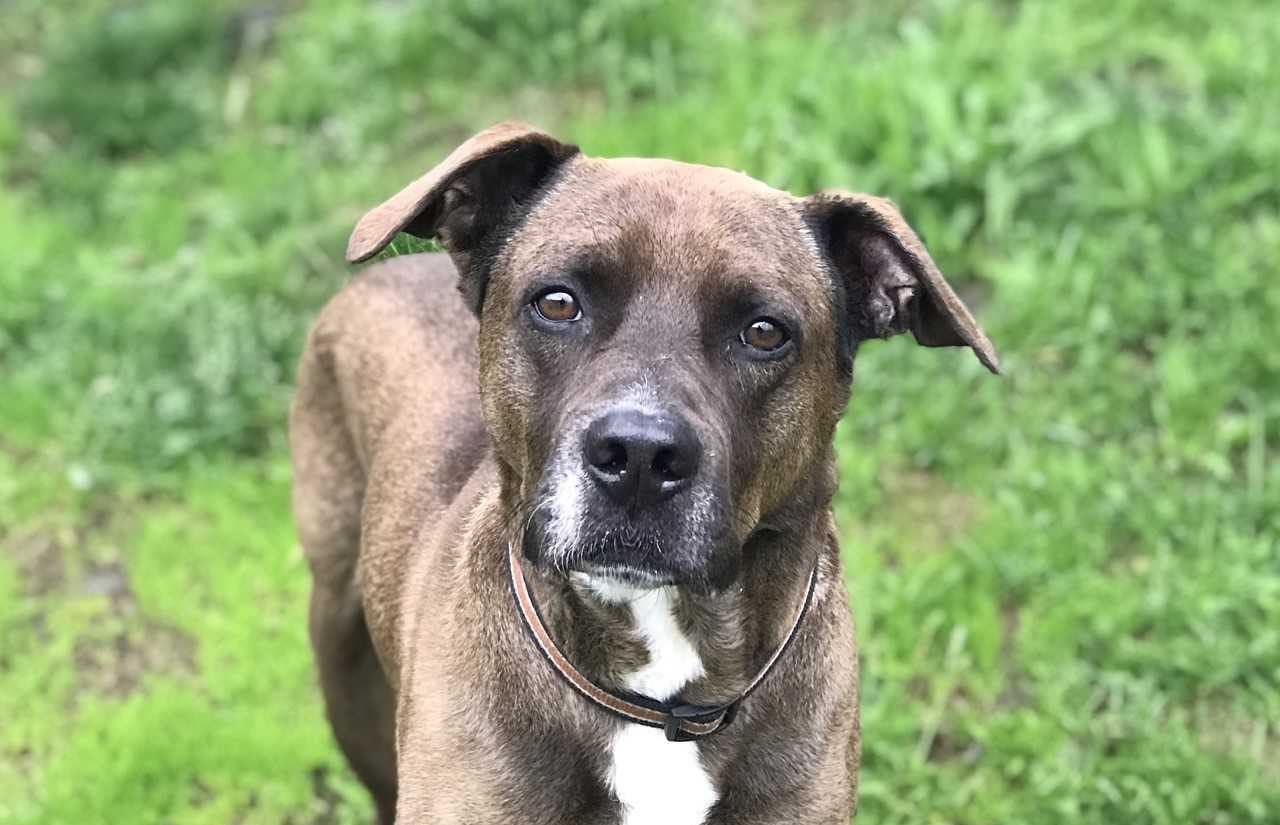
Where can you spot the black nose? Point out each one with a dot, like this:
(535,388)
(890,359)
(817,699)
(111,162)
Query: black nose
(641,457)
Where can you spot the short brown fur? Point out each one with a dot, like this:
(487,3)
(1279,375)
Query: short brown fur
(419,444)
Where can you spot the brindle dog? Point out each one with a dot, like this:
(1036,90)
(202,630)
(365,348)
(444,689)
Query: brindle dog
(635,383)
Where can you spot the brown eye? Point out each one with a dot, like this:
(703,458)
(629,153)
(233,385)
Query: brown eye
(764,334)
(557,305)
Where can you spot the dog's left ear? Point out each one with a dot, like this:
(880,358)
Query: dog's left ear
(467,199)
(890,283)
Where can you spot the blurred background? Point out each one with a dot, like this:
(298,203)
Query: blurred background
(1067,581)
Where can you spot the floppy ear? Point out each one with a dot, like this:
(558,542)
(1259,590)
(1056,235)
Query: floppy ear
(467,199)
(890,283)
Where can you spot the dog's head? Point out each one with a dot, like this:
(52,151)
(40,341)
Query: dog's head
(665,348)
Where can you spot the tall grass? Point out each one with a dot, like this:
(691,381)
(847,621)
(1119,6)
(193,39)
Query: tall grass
(1067,582)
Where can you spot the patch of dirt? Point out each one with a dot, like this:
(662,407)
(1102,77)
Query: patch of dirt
(327,797)
(110,580)
(18,453)
(60,565)
(919,688)
(1017,686)
(22,761)
(327,801)
(40,560)
(201,794)
(1222,730)
(927,512)
(325,809)
(116,665)
(951,746)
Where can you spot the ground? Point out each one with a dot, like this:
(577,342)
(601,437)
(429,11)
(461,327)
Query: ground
(1066,581)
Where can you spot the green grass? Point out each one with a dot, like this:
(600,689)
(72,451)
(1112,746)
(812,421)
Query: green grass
(1067,582)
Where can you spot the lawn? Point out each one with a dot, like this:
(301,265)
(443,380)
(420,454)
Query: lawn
(1067,581)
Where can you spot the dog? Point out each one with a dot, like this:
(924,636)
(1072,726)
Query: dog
(564,489)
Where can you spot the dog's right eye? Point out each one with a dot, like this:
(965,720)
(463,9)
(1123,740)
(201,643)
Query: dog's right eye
(765,335)
(558,306)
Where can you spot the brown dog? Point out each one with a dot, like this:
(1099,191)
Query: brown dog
(552,547)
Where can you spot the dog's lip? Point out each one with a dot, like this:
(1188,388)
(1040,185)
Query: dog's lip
(622,574)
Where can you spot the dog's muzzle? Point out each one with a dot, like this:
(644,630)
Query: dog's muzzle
(629,491)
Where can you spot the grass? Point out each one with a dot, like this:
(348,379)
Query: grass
(1067,582)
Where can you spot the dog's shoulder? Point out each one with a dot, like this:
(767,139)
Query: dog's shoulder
(399,310)
(422,285)
(398,345)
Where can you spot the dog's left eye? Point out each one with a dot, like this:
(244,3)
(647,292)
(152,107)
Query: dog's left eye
(765,335)
(557,305)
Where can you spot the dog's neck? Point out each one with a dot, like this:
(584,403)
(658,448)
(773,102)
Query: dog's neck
(672,644)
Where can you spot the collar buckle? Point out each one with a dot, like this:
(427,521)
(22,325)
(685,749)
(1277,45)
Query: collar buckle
(718,717)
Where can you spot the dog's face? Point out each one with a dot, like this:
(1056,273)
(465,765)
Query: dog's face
(669,365)
(665,348)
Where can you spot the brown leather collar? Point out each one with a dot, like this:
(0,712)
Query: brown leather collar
(681,721)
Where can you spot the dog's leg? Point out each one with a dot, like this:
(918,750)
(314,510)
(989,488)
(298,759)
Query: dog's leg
(328,494)
(358,700)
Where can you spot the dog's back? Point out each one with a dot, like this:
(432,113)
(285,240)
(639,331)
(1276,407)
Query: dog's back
(389,373)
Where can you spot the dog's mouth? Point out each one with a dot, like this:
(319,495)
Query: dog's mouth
(626,557)
(609,580)
(624,554)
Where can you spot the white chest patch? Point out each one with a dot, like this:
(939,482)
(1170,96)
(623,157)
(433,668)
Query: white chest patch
(658,782)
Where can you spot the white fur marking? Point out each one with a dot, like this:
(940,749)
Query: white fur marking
(673,660)
(566,514)
(659,782)
(656,781)
(608,589)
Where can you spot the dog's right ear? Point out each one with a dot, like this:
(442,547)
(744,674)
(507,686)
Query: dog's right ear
(890,283)
(475,192)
